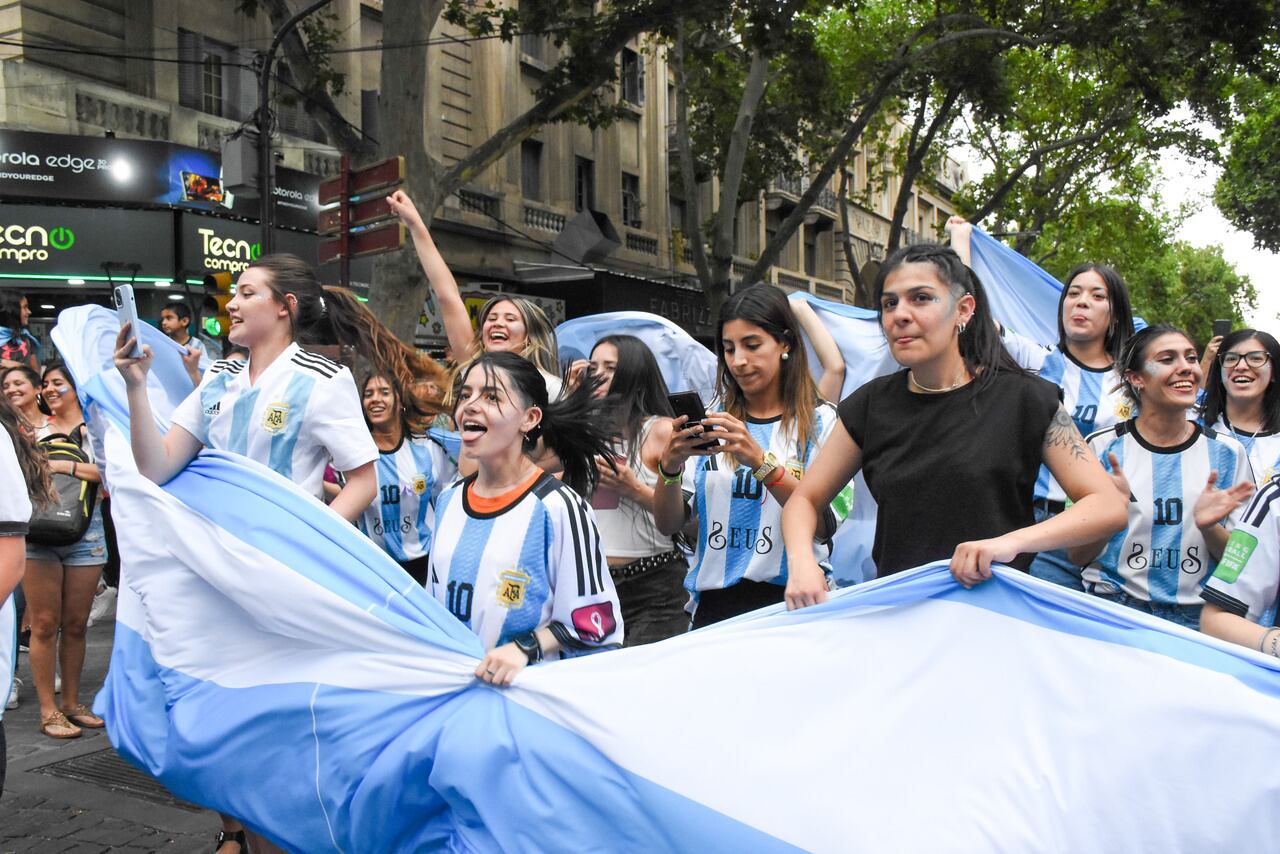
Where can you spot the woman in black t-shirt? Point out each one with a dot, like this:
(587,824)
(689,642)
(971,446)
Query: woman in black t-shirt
(950,446)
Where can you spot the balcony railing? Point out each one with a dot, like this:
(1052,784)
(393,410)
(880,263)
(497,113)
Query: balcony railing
(474,202)
(828,200)
(792,185)
(641,243)
(543,219)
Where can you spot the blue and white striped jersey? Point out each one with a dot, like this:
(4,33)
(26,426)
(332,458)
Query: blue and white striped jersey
(1247,581)
(1092,396)
(1262,447)
(301,413)
(1161,556)
(410,478)
(535,562)
(739,520)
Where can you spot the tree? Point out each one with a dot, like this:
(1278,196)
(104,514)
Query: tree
(1169,281)
(575,89)
(1248,191)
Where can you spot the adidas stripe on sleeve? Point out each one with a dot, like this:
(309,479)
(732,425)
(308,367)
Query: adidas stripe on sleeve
(1247,580)
(301,412)
(538,562)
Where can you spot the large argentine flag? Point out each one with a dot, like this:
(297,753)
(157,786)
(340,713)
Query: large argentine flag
(272,664)
(686,365)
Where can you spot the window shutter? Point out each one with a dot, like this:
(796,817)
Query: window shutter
(191,53)
(640,79)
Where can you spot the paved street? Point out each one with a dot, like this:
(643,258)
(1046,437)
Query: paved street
(78,795)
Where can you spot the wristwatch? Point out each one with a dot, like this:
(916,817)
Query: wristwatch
(528,643)
(767,467)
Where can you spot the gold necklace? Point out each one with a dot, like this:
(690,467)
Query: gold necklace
(964,378)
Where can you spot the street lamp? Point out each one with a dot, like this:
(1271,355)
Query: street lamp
(264,121)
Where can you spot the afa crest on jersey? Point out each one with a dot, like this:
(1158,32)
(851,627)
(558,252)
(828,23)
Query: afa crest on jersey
(511,587)
(419,484)
(794,468)
(275,417)
(1124,409)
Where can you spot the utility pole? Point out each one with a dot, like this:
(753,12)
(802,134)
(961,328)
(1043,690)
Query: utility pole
(264,120)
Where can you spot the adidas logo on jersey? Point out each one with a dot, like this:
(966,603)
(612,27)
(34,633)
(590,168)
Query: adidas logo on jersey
(213,410)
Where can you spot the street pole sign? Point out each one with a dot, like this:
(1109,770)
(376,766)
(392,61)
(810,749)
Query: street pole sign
(361,221)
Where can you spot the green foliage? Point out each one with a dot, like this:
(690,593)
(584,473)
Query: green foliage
(1248,191)
(1170,281)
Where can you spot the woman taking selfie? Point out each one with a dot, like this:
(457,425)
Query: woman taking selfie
(1183,484)
(952,444)
(61,581)
(503,325)
(646,566)
(1242,398)
(516,556)
(728,496)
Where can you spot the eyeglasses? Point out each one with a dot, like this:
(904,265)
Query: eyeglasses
(1254,359)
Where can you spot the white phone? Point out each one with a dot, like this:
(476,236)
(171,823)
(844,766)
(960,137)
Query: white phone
(127,311)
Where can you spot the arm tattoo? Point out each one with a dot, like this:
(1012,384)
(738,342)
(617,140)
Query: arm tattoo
(1063,433)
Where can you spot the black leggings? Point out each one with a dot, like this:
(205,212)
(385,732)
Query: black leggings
(745,596)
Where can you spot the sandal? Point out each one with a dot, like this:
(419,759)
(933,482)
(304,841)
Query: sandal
(59,720)
(223,838)
(82,715)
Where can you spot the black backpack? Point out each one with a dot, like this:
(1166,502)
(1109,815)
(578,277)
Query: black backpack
(65,520)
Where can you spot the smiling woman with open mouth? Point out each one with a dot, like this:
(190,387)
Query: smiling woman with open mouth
(1242,398)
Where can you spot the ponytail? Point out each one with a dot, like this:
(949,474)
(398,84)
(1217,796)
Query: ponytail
(333,315)
(573,427)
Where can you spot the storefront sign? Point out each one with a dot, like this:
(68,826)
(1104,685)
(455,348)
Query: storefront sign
(44,242)
(130,171)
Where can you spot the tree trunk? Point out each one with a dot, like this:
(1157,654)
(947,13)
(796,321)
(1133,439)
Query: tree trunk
(917,151)
(399,285)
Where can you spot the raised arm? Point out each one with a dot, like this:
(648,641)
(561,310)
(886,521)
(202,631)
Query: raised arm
(832,382)
(159,458)
(453,311)
(961,232)
(836,464)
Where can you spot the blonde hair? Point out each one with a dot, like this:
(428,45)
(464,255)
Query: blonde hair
(539,335)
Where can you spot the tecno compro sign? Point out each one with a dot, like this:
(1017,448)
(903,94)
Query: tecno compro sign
(43,242)
(26,243)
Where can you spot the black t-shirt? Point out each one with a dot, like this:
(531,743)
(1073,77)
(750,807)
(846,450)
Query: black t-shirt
(948,468)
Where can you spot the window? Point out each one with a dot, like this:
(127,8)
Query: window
(811,251)
(211,85)
(676,212)
(533,44)
(531,170)
(631,200)
(584,184)
(632,77)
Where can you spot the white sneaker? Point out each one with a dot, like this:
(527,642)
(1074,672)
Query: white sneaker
(13,694)
(104,605)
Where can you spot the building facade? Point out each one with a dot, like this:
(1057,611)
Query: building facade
(182,72)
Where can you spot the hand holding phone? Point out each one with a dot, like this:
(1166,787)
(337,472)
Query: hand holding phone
(1221,328)
(688,403)
(127,312)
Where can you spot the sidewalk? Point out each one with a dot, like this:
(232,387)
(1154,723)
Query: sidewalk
(77,795)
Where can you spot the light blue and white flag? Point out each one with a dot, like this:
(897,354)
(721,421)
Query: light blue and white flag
(273,664)
(686,365)
(1023,296)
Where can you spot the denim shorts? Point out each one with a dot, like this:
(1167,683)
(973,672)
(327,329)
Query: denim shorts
(89,550)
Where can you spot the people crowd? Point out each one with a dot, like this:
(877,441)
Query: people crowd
(563,513)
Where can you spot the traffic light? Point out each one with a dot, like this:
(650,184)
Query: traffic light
(219,323)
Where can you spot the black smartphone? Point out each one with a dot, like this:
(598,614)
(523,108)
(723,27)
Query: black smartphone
(1221,327)
(688,403)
